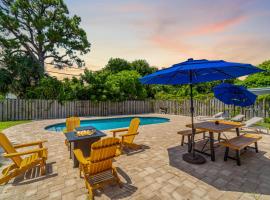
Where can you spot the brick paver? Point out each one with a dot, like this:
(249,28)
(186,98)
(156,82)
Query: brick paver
(156,172)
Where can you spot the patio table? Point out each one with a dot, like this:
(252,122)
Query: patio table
(212,127)
(82,142)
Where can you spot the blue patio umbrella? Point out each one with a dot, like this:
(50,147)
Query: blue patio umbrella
(198,71)
(234,95)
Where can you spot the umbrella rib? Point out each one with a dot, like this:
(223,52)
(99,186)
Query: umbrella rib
(220,71)
(195,74)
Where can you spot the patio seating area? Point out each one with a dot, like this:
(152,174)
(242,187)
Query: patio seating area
(157,171)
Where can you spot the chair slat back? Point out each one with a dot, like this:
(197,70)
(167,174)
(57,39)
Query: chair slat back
(218,115)
(102,153)
(238,118)
(133,128)
(72,123)
(8,147)
(253,121)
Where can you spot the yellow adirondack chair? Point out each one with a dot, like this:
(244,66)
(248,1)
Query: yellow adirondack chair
(128,137)
(38,156)
(71,124)
(98,169)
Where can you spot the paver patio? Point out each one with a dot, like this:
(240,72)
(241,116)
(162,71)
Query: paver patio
(157,172)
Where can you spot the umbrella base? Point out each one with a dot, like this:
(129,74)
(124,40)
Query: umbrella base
(196,159)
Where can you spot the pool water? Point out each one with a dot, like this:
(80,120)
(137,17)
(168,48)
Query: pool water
(109,123)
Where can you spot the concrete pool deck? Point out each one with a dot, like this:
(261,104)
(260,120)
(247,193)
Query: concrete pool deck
(157,172)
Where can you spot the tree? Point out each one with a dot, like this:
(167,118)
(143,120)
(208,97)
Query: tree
(17,73)
(259,79)
(116,65)
(95,82)
(75,89)
(142,67)
(44,30)
(125,85)
(5,81)
(48,88)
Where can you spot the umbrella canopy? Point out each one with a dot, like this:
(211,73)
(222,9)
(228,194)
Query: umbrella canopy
(198,71)
(234,95)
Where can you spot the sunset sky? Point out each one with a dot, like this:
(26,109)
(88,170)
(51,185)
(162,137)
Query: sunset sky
(165,32)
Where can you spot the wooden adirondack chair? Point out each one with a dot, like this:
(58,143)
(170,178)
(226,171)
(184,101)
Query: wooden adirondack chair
(98,169)
(71,124)
(37,156)
(131,132)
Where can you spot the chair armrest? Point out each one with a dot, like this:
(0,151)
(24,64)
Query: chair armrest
(119,130)
(79,155)
(30,144)
(129,134)
(24,153)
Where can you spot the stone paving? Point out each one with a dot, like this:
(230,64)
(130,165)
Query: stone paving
(156,172)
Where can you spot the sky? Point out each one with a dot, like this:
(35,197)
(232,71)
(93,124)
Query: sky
(165,32)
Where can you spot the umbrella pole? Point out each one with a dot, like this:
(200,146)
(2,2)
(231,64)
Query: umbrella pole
(192,120)
(192,157)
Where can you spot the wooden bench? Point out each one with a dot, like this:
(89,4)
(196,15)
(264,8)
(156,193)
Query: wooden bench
(239,143)
(188,133)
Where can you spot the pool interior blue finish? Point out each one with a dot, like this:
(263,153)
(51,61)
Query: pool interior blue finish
(110,123)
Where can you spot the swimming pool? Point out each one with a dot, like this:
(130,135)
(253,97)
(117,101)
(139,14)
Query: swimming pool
(110,123)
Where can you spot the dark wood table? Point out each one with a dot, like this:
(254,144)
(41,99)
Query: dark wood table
(82,142)
(212,127)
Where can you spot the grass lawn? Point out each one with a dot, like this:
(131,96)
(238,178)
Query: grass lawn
(266,125)
(4,125)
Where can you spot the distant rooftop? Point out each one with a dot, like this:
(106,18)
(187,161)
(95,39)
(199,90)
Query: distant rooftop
(260,91)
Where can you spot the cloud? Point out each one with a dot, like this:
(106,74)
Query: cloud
(169,43)
(165,31)
(243,48)
(219,26)
(187,38)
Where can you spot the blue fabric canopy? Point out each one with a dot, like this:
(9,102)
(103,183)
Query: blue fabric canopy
(234,95)
(199,71)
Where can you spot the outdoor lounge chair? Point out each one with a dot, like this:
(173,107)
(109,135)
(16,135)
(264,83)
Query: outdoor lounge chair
(238,118)
(37,156)
(220,115)
(129,136)
(71,124)
(251,124)
(98,169)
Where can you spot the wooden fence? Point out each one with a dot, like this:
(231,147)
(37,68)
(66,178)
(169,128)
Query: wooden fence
(21,109)
(212,106)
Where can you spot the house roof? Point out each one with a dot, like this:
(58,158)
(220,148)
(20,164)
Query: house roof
(260,91)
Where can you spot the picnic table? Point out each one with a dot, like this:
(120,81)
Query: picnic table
(213,127)
(82,142)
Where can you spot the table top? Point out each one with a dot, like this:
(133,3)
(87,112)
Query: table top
(71,136)
(213,127)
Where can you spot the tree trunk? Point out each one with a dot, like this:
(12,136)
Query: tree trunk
(40,69)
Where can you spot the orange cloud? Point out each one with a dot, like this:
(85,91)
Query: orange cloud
(171,43)
(219,26)
(181,39)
